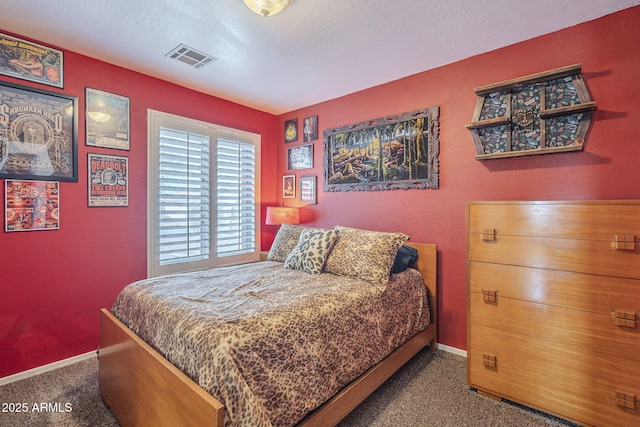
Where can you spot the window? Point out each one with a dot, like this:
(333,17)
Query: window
(202,195)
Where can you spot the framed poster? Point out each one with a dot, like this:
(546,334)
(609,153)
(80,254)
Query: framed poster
(107,120)
(38,134)
(31,61)
(308,189)
(288,186)
(31,205)
(291,130)
(108,180)
(310,129)
(300,157)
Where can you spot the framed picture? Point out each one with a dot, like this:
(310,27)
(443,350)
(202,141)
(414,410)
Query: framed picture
(300,157)
(107,120)
(108,180)
(31,205)
(308,189)
(38,134)
(291,130)
(288,186)
(310,129)
(390,153)
(31,61)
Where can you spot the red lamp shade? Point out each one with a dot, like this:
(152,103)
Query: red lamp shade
(277,216)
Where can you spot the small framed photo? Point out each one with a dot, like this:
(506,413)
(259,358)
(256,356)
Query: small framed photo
(108,180)
(310,129)
(31,205)
(107,120)
(291,130)
(288,186)
(300,157)
(308,189)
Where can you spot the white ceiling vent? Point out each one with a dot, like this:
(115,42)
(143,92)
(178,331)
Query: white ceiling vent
(190,56)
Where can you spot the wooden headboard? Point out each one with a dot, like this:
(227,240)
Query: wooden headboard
(427,265)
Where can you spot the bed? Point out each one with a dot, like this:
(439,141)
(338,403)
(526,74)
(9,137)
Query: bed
(142,387)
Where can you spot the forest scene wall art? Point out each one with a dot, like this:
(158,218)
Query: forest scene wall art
(391,153)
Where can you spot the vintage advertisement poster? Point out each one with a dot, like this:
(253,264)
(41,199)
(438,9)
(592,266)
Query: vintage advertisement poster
(38,134)
(108,180)
(107,120)
(32,205)
(31,61)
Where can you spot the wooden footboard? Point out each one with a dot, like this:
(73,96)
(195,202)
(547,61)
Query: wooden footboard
(143,389)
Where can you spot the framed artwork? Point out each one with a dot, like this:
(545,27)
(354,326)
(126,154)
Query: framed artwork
(291,130)
(38,134)
(310,129)
(308,189)
(300,157)
(390,153)
(31,61)
(107,120)
(31,205)
(288,186)
(108,180)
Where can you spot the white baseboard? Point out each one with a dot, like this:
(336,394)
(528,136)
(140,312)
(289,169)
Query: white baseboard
(79,358)
(46,368)
(453,350)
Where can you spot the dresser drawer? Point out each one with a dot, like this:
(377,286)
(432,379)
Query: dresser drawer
(576,255)
(588,220)
(587,292)
(591,406)
(584,332)
(560,361)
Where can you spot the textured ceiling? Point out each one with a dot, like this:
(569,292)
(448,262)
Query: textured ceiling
(313,51)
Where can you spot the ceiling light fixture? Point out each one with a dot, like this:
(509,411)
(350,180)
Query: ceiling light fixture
(266,7)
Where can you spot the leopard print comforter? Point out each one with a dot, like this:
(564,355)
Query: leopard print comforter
(272,344)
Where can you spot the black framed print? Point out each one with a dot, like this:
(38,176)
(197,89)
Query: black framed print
(38,134)
(300,157)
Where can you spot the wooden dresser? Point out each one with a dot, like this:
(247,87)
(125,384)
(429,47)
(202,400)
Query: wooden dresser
(553,306)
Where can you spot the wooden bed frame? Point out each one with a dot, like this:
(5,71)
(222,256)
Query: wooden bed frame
(142,388)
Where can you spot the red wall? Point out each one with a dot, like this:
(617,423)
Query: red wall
(53,283)
(607,168)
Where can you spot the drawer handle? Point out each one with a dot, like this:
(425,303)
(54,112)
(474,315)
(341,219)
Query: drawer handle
(489,234)
(626,319)
(626,400)
(489,360)
(624,242)
(489,295)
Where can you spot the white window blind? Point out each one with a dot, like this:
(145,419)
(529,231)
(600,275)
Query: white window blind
(203,195)
(184,189)
(235,200)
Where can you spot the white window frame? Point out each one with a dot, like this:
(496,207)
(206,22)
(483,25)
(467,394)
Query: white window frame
(157,120)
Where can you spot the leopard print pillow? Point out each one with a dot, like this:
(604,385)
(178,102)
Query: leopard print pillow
(367,255)
(312,250)
(286,239)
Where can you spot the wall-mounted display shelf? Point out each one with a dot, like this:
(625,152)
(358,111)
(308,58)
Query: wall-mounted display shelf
(541,113)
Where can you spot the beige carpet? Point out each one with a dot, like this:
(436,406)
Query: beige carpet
(430,390)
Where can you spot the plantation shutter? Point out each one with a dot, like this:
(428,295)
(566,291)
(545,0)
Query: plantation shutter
(236,196)
(184,189)
(203,195)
